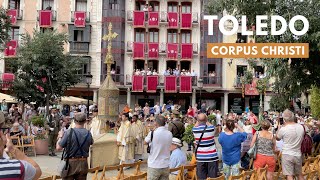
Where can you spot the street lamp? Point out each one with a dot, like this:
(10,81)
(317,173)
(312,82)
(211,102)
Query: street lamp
(200,85)
(88,82)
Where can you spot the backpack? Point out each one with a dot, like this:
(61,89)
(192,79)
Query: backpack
(306,145)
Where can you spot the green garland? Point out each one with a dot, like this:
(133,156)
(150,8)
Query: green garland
(247,78)
(262,85)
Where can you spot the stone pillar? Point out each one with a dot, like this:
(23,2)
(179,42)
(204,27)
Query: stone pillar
(226,103)
(129,97)
(161,97)
(194,99)
(247,102)
(95,96)
(222,105)
(266,103)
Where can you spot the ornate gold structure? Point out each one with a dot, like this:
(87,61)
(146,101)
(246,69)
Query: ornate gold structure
(108,91)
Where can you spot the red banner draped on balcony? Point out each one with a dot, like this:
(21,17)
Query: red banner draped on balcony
(13,13)
(186,51)
(80,19)
(7,79)
(153,19)
(251,89)
(138,18)
(11,48)
(138,50)
(152,83)
(153,50)
(185,84)
(186,20)
(170,84)
(172,51)
(137,83)
(173,19)
(45,18)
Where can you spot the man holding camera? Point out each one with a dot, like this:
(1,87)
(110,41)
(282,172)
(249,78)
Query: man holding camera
(53,125)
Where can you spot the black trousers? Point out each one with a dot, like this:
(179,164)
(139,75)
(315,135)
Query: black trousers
(207,170)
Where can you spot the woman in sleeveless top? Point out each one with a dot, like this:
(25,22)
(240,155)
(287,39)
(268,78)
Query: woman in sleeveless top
(265,142)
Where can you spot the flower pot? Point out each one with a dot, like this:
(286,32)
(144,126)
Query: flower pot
(41,146)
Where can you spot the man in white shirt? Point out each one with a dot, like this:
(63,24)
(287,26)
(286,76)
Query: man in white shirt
(156,109)
(292,135)
(159,141)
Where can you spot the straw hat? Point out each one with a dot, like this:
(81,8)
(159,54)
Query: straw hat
(177,142)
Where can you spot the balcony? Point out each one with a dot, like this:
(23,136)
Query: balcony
(79,47)
(45,18)
(211,80)
(87,16)
(15,14)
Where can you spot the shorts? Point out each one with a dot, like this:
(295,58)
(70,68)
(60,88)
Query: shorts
(291,165)
(262,160)
(158,174)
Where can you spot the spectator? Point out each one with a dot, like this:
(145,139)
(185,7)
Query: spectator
(207,159)
(265,143)
(146,110)
(159,157)
(15,131)
(190,112)
(156,109)
(81,140)
(178,157)
(176,127)
(126,109)
(231,148)
(292,135)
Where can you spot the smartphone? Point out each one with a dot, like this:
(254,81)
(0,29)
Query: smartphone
(281,121)
(5,130)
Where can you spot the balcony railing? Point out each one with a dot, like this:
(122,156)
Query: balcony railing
(79,47)
(211,80)
(162,47)
(87,16)
(5,85)
(20,14)
(160,80)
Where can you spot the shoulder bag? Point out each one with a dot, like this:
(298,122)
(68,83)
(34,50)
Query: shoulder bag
(204,130)
(253,150)
(64,164)
(149,147)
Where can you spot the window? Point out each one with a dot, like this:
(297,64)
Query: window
(14,4)
(185,36)
(185,65)
(139,64)
(258,71)
(172,7)
(171,64)
(114,4)
(153,65)
(139,35)
(186,8)
(153,35)
(140,5)
(241,39)
(81,5)
(85,67)
(241,70)
(46,29)
(14,33)
(154,5)
(47,4)
(78,35)
(172,36)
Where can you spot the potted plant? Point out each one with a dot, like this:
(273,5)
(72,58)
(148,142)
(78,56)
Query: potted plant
(40,139)
(188,134)
(212,119)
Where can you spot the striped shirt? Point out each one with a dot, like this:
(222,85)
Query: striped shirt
(207,151)
(11,169)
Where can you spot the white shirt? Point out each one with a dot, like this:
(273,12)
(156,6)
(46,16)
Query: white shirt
(159,156)
(157,109)
(292,136)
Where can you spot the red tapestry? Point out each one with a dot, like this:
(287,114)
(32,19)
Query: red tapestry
(138,50)
(153,50)
(152,83)
(153,19)
(45,18)
(138,18)
(80,19)
(137,83)
(186,20)
(170,84)
(172,51)
(173,19)
(7,79)
(11,48)
(13,13)
(185,84)
(250,89)
(186,51)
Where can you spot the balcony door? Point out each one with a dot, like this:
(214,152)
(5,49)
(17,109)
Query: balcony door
(47,4)
(185,36)
(172,7)
(14,4)
(81,5)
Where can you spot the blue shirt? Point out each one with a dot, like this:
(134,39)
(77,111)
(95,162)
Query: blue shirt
(231,147)
(178,158)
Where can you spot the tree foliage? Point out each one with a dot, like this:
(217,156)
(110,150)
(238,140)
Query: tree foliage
(43,70)
(315,101)
(5,24)
(293,76)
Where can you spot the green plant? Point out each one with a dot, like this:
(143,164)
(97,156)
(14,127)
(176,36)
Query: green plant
(262,85)
(212,119)
(189,156)
(188,134)
(38,121)
(315,101)
(247,78)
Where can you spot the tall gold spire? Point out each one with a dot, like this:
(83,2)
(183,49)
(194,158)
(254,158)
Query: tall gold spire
(109,58)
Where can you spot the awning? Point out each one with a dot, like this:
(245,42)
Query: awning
(73,100)
(8,98)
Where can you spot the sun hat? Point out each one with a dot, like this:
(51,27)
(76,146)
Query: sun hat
(177,142)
